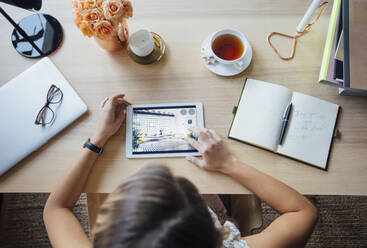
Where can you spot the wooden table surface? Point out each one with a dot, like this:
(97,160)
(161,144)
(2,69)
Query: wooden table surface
(181,76)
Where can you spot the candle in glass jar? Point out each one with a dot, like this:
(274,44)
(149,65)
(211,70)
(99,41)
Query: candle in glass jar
(141,43)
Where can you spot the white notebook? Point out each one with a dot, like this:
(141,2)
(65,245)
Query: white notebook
(259,118)
(20,101)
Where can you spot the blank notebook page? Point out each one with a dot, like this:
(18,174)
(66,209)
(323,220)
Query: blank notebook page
(259,115)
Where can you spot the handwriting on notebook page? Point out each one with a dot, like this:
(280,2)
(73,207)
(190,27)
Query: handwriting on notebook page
(305,125)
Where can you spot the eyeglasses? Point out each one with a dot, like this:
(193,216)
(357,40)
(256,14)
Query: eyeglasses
(46,115)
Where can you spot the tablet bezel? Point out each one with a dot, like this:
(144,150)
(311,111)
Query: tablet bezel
(128,141)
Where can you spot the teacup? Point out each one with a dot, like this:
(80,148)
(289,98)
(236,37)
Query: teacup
(228,46)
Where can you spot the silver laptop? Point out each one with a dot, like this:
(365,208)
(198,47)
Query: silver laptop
(21,99)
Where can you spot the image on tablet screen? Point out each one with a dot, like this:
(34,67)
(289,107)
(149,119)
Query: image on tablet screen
(162,129)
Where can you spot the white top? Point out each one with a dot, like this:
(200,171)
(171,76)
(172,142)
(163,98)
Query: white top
(231,235)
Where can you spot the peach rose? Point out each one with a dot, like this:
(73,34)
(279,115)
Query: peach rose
(128,9)
(112,9)
(76,4)
(99,4)
(77,21)
(104,30)
(86,28)
(92,15)
(77,7)
(90,4)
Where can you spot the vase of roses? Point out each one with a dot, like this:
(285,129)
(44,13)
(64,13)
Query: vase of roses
(105,20)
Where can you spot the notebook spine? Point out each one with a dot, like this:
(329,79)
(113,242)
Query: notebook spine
(329,41)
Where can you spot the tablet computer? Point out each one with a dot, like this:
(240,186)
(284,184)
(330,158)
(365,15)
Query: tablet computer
(159,130)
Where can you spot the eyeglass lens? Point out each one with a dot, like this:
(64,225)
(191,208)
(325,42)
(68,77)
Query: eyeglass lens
(54,95)
(45,116)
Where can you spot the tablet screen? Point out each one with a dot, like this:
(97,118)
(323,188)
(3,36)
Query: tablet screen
(162,129)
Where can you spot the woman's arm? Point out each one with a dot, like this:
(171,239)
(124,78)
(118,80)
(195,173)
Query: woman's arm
(63,228)
(298,215)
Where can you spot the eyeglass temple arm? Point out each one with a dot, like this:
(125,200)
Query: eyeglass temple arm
(21,31)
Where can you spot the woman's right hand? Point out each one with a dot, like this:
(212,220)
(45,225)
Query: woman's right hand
(112,114)
(215,156)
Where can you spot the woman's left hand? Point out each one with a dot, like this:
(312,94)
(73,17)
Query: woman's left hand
(112,113)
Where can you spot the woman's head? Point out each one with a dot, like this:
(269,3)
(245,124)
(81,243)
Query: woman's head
(155,209)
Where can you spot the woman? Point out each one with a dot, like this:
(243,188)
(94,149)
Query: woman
(155,209)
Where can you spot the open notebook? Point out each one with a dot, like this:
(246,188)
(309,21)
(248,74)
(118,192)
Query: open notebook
(259,118)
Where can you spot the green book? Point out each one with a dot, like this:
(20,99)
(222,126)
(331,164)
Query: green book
(329,41)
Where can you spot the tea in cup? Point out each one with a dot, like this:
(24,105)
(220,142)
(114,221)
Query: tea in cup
(228,46)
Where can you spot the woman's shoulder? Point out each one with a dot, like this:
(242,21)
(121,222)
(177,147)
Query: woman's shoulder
(231,234)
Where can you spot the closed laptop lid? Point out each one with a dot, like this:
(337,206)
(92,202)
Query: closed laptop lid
(21,99)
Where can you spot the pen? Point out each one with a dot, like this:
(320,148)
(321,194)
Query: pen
(285,122)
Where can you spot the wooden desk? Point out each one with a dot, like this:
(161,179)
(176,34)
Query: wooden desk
(181,76)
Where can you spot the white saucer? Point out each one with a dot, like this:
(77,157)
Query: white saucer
(224,69)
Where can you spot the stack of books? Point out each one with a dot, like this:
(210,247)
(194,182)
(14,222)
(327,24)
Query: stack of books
(344,61)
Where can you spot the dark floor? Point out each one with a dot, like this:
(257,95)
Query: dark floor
(342,223)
